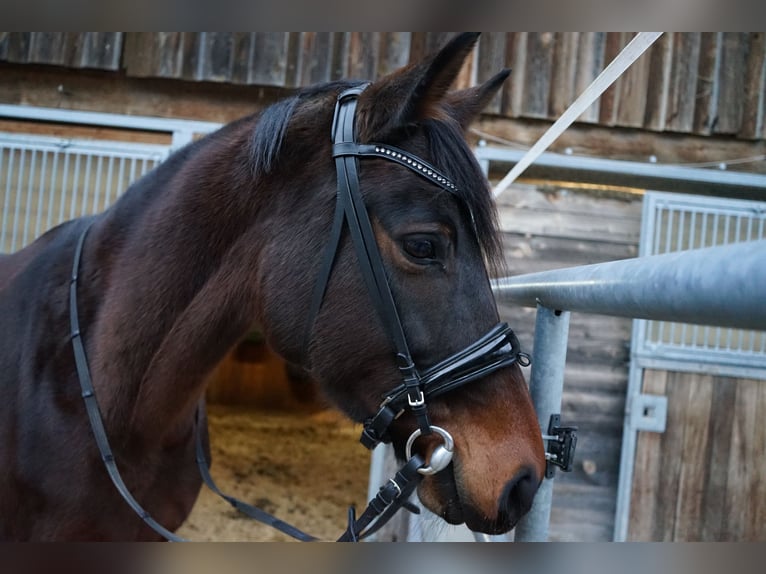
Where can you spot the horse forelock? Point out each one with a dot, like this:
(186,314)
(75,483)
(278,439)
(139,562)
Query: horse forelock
(453,157)
(268,138)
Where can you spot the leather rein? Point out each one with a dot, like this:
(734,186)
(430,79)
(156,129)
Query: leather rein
(497,349)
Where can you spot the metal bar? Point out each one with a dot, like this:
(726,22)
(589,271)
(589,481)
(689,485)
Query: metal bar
(720,286)
(41,193)
(546,384)
(632,173)
(28,209)
(17,206)
(627,454)
(105,119)
(4,233)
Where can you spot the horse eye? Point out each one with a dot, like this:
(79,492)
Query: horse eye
(420,248)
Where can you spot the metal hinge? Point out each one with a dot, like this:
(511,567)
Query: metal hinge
(562,442)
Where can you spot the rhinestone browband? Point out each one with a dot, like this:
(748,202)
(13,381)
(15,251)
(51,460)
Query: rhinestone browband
(422,168)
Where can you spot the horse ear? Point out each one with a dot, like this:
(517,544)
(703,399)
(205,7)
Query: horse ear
(413,93)
(465,105)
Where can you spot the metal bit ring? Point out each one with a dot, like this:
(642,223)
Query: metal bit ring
(440,457)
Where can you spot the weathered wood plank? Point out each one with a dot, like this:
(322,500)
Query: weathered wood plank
(215,56)
(149,54)
(754,105)
(538,69)
(590,63)
(617,221)
(706,110)
(100,50)
(515,57)
(70,131)
(316,58)
(746,467)
(681,97)
(491,59)
(716,476)
(694,465)
(364,53)
(658,82)
(563,72)
(610,99)
(731,83)
(268,61)
(648,459)
(758,490)
(394,51)
(580,512)
(631,106)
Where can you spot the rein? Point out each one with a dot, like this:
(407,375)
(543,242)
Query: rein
(497,349)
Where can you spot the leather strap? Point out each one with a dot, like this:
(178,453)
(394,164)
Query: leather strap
(91,405)
(247,509)
(390,498)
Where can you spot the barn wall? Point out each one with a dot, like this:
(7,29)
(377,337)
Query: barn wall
(695,83)
(548,228)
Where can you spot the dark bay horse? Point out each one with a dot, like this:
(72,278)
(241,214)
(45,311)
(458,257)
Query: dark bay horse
(233,230)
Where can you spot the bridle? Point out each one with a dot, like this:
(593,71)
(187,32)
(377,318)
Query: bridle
(497,349)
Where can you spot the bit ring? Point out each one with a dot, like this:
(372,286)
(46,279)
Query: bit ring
(440,457)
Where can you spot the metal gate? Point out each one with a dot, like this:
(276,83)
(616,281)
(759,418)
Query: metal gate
(670,223)
(45,180)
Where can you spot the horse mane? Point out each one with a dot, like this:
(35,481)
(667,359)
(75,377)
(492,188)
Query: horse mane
(447,148)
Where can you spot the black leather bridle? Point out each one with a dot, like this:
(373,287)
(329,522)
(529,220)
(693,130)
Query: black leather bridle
(497,349)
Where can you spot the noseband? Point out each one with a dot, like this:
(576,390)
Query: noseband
(497,349)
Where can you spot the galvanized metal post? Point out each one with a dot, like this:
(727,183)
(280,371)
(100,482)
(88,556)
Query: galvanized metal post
(546,387)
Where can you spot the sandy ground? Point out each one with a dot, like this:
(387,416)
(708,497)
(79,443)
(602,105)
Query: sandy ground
(304,468)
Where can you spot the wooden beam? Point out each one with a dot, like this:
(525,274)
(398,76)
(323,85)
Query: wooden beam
(624,143)
(97,91)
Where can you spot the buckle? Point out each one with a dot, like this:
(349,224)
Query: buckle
(418,401)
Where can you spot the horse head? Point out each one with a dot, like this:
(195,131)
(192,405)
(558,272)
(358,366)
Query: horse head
(435,241)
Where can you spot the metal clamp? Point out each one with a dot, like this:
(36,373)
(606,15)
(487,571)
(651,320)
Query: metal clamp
(562,442)
(440,457)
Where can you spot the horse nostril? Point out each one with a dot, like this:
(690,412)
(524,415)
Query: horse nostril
(519,493)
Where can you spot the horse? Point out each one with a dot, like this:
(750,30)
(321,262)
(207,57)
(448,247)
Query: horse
(259,222)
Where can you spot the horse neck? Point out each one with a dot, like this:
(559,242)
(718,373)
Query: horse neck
(178,258)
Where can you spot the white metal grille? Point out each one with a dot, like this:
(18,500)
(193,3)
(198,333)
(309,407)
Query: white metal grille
(45,181)
(674,222)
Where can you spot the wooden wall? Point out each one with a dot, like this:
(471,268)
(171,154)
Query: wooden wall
(694,83)
(548,228)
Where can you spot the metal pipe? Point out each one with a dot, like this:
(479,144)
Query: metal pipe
(546,384)
(723,286)
(631,173)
